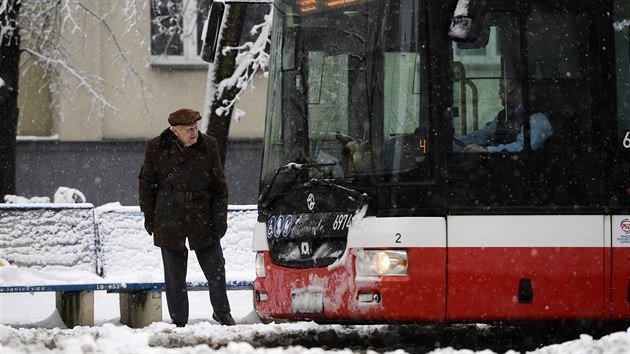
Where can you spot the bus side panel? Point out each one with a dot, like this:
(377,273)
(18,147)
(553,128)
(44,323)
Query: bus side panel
(525,267)
(420,296)
(417,296)
(620,267)
(485,283)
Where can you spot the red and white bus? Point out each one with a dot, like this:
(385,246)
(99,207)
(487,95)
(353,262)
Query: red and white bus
(375,207)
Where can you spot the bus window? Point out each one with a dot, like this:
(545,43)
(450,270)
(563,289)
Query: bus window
(557,94)
(404,127)
(488,90)
(622,45)
(476,73)
(404,139)
(352,99)
(327,79)
(557,67)
(496,83)
(620,173)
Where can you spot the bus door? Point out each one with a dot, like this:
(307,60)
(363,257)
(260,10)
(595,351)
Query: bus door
(525,227)
(403,150)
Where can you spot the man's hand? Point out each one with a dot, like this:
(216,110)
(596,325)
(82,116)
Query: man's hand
(148,225)
(474,148)
(219,230)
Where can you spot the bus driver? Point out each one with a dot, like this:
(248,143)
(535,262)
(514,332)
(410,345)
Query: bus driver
(505,132)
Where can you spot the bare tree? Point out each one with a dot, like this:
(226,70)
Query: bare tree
(9,73)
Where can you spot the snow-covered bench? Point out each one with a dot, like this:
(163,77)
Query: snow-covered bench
(76,249)
(130,258)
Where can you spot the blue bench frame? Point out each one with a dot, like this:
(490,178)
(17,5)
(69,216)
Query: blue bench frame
(116,287)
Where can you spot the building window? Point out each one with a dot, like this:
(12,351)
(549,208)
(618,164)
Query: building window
(176,27)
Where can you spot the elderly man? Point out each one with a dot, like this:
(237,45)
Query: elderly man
(183,195)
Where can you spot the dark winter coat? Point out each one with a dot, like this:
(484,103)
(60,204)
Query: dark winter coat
(183,195)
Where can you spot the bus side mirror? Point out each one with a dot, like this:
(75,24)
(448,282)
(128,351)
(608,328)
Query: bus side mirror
(211,30)
(467,22)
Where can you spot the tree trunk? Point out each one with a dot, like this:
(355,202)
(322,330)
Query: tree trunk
(219,126)
(9,73)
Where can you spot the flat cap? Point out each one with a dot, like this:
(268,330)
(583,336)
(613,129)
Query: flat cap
(183,116)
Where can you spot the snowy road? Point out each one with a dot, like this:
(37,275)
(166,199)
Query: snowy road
(43,332)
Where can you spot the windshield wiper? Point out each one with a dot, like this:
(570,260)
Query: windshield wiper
(354,195)
(266,197)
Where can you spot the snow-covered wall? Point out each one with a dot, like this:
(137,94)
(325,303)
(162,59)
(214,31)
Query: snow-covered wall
(53,236)
(108,240)
(128,253)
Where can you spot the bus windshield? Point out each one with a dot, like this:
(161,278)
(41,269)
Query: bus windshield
(348,89)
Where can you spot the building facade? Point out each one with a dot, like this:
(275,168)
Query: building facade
(130,63)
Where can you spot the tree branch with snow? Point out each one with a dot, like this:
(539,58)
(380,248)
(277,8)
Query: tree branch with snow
(252,58)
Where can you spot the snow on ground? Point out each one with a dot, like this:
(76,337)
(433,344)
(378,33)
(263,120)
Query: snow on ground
(30,324)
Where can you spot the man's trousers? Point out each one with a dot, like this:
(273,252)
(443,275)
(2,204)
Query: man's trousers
(175,267)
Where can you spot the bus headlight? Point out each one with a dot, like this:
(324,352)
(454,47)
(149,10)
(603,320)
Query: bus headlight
(260,265)
(380,262)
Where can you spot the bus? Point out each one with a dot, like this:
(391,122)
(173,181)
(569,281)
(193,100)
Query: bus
(384,199)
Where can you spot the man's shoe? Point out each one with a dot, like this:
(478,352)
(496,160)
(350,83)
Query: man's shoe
(179,324)
(226,320)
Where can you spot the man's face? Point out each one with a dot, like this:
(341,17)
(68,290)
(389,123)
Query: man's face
(186,134)
(510,93)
